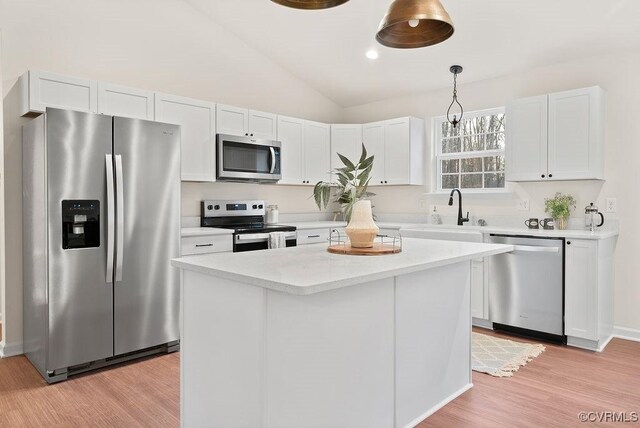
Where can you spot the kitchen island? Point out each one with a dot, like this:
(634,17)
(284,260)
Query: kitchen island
(301,337)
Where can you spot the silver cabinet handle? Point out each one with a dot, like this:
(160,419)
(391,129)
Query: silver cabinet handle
(531,249)
(119,218)
(273,160)
(313,236)
(203,245)
(111,205)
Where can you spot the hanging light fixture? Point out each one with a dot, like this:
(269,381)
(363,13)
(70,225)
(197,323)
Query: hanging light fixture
(455,69)
(310,4)
(414,24)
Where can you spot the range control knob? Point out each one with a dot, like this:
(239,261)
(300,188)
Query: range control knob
(260,206)
(217,207)
(255,207)
(209,207)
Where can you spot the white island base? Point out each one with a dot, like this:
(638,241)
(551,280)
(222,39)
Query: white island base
(381,354)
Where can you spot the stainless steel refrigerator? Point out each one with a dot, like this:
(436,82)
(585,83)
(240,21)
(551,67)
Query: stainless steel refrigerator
(101,222)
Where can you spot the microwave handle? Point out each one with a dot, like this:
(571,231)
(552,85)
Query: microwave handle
(273,160)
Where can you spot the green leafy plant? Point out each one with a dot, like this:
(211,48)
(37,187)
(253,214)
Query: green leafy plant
(353,180)
(559,206)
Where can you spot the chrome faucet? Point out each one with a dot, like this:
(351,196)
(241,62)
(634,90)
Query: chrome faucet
(461,220)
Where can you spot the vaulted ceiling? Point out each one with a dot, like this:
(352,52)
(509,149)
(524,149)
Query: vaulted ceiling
(326,48)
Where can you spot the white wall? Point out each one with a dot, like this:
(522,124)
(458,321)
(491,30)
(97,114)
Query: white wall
(618,75)
(162,45)
(2,243)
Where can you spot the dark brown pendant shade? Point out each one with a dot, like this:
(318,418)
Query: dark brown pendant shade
(434,24)
(310,4)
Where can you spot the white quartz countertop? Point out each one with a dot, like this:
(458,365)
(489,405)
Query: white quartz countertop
(311,269)
(204,231)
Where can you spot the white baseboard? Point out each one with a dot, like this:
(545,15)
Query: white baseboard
(10,349)
(626,333)
(439,406)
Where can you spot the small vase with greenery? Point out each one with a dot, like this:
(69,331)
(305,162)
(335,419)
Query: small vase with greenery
(353,180)
(559,207)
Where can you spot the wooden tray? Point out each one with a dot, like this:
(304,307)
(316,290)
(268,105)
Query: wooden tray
(378,249)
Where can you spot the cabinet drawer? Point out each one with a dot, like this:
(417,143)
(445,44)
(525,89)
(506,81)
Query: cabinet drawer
(206,244)
(314,236)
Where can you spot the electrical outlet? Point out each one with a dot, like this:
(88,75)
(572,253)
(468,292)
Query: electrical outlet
(423,205)
(612,205)
(523,205)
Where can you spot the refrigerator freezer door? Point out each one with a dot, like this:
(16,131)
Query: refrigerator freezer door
(146,300)
(80,299)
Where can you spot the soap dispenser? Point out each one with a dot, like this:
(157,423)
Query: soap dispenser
(435,216)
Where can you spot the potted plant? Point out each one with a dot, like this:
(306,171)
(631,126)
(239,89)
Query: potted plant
(352,195)
(559,207)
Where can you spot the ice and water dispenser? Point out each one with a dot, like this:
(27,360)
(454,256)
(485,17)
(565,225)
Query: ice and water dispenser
(80,224)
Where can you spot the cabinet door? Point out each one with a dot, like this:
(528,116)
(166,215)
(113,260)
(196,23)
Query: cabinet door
(116,100)
(581,311)
(526,136)
(346,140)
(291,135)
(317,151)
(397,151)
(263,125)
(232,120)
(373,138)
(575,134)
(477,289)
(41,89)
(198,134)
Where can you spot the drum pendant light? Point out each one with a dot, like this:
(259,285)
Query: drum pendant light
(310,4)
(414,24)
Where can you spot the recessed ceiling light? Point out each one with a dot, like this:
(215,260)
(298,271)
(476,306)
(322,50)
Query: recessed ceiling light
(372,54)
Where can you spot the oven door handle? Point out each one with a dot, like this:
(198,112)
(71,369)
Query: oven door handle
(273,160)
(249,238)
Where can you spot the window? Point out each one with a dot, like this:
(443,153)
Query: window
(471,156)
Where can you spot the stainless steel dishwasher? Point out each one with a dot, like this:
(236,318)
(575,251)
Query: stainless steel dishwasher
(526,286)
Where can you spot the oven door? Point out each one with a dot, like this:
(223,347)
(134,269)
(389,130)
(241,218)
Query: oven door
(259,241)
(248,159)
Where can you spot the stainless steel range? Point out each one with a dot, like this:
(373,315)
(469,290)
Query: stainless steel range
(246,218)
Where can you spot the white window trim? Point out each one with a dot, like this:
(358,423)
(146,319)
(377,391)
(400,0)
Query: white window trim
(436,135)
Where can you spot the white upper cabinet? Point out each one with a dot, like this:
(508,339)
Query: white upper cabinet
(250,123)
(346,140)
(263,125)
(306,151)
(317,152)
(40,89)
(398,147)
(556,137)
(373,139)
(122,101)
(197,121)
(576,134)
(526,132)
(291,135)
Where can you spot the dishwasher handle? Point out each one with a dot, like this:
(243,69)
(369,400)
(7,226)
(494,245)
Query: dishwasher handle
(532,249)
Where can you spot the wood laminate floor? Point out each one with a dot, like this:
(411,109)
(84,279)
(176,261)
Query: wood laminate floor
(548,392)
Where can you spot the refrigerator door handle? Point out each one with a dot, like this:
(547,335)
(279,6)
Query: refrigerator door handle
(119,218)
(110,217)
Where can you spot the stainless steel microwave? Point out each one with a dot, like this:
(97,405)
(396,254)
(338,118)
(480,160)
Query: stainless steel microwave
(248,159)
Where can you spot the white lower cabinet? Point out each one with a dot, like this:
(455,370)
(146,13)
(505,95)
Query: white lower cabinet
(478,292)
(197,120)
(206,244)
(589,279)
(313,236)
